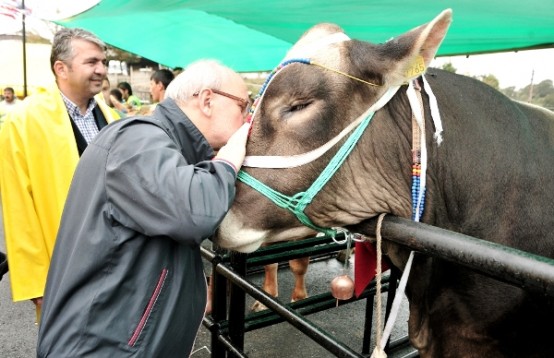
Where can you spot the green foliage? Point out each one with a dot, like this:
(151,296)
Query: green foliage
(491,80)
(541,94)
(449,67)
(114,53)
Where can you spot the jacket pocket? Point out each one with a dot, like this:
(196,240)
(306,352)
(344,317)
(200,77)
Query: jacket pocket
(151,303)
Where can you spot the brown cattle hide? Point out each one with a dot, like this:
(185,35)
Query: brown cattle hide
(491,177)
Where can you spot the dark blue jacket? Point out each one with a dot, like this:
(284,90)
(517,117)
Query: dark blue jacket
(126,277)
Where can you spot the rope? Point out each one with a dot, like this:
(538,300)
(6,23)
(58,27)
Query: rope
(419,150)
(418,200)
(344,74)
(435,113)
(381,339)
(379,351)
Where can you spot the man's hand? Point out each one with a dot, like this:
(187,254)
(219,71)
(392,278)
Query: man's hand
(235,149)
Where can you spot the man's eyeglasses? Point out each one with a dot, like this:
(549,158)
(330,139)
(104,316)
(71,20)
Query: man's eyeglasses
(243,103)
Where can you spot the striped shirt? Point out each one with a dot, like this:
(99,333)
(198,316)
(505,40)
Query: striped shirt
(85,122)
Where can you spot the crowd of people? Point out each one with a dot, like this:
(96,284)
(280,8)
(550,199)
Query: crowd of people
(104,217)
(120,98)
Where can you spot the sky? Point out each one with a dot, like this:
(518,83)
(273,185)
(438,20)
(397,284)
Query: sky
(512,69)
(42,9)
(58,9)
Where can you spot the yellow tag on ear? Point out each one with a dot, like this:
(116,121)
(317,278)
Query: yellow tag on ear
(416,69)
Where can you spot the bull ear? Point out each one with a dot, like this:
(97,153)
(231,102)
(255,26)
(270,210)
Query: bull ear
(418,48)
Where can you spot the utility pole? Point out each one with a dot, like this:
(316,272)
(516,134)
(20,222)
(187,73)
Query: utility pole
(24,49)
(531,86)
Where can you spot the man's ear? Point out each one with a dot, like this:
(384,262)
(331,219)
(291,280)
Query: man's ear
(205,101)
(60,69)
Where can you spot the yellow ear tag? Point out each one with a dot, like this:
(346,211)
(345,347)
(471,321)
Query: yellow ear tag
(416,69)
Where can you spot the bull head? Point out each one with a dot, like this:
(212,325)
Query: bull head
(306,106)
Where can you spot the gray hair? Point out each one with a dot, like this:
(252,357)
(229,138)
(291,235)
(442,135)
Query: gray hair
(62,49)
(201,74)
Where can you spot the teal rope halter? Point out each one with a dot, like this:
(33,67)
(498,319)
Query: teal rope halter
(298,202)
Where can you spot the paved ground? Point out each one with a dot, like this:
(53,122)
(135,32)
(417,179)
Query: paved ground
(18,332)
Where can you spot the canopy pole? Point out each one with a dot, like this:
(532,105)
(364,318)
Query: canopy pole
(24,49)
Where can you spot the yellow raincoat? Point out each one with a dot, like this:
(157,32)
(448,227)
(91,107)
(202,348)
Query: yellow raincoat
(38,155)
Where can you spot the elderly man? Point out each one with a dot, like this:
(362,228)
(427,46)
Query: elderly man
(127,277)
(41,142)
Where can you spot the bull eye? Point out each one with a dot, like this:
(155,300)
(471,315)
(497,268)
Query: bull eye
(298,107)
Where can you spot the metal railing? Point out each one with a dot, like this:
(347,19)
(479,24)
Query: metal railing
(516,267)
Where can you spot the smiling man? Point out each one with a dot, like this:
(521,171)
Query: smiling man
(41,142)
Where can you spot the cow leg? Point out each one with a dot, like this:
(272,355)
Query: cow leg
(299,267)
(270,285)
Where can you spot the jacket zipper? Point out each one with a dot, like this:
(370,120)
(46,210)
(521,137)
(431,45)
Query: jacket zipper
(146,314)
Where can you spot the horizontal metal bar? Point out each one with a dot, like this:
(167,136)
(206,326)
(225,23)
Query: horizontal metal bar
(305,307)
(293,245)
(284,264)
(288,255)
(312,246)
(523,269)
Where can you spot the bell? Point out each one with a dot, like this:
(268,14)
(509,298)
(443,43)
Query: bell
(342,287)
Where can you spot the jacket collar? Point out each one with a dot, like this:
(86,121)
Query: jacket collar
(194,145)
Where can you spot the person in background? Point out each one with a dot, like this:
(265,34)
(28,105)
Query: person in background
(117,102)
(104,95)
(132,102)
(8,103)
(177,71)
(159,81)
(126,277)
(41,141)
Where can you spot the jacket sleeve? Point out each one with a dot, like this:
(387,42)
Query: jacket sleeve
(153,190)
(26,245)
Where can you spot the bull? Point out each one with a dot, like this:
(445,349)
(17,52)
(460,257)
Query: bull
(485,164)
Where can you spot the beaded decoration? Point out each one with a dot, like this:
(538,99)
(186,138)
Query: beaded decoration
(419,150)
(416,185)
(272,74)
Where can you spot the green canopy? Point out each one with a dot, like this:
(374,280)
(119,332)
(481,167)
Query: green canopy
(252,35)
